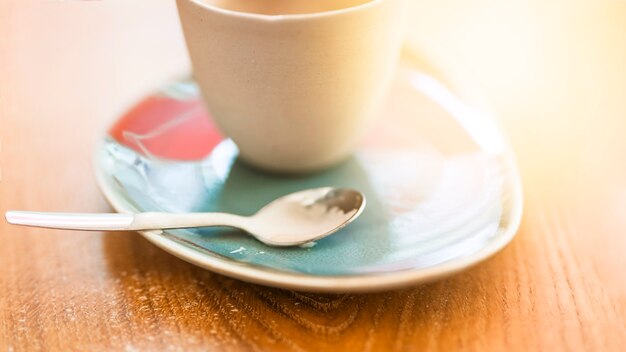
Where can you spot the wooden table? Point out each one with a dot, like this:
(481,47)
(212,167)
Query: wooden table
(556,75)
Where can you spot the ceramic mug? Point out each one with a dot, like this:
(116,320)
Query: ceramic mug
(294,83)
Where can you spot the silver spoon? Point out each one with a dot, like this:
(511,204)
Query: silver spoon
(292,220)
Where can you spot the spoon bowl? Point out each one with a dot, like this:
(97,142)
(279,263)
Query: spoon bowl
(306,216)
(291,220)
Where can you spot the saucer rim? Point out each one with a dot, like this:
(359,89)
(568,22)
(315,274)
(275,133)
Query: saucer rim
(361,283)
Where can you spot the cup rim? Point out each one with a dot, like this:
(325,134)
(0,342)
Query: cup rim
(284,17)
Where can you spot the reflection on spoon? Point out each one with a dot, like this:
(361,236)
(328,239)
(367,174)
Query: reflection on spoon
(291,220)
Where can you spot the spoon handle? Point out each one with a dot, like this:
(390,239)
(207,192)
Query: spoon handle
(123,222)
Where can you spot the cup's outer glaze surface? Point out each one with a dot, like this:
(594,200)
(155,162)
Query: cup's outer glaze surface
(295,92)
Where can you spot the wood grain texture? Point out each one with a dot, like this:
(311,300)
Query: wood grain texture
(67,68)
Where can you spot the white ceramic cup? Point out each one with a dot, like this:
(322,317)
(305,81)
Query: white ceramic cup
(295,88)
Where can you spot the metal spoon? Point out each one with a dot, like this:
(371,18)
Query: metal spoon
(292,220)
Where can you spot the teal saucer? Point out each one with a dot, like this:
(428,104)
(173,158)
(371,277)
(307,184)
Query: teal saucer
(442,187)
